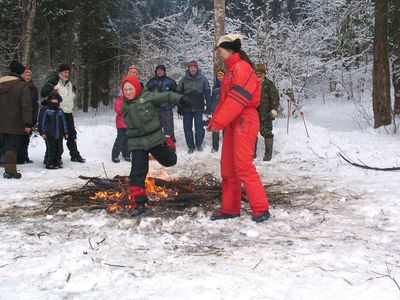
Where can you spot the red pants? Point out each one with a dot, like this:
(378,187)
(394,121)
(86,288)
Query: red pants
(237,167)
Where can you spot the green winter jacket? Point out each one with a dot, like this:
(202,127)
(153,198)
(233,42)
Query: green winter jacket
(141,117)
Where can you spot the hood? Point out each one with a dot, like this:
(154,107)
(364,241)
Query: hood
(7,83)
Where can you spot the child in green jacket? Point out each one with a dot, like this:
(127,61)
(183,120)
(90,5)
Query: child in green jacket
(145,135)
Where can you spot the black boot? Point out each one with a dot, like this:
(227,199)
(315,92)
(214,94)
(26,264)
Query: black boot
(139,210)
(261,216)
(269,143)
(16,175)
(221,216)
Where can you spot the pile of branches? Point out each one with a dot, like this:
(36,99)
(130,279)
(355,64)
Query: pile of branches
(181,193)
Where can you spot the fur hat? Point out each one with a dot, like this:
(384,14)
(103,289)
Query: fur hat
(17,67)
(193,63)
(54,95)
(134,81)
(230,42)
(220,73)
(262,68)
(63,67)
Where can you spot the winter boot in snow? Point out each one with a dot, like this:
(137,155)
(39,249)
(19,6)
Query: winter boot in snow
(221,216)
(261,216)
(269,143)
(138,198)
(10,165)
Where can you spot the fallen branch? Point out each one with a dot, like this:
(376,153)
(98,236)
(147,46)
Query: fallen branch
(364,166)
(389,275)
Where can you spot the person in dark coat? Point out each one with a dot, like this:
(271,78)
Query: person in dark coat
(22,155)
(53,128)
(195,85)
(162,83)
(16,116)
(67,91)
(214,102)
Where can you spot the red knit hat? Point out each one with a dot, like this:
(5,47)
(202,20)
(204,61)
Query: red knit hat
(134,81)
(28,69)
(133,68)
(193,63)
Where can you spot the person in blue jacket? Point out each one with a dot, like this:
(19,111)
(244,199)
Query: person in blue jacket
(162,83)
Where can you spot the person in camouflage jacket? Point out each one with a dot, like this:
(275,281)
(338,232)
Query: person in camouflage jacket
(267,110)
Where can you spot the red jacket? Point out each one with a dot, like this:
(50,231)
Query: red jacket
(119,119)
(240,93)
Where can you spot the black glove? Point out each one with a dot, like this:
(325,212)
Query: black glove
(185,102)
(53,81)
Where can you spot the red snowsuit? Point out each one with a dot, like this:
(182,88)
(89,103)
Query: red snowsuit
(237,114)
(119,119)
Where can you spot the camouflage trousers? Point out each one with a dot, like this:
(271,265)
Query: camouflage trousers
(266,128)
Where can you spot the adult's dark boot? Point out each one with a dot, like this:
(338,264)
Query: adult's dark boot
(269,143)
(10,160)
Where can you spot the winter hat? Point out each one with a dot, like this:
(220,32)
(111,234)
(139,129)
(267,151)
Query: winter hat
(134,81)
(133,68)
(193,63)
(54,95)
(16,67)
(28,69)
(162,67)
(220,73)
(63,67)
(230,42)
(261,68)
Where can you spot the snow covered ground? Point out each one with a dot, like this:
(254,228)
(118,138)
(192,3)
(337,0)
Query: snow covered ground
(338,240)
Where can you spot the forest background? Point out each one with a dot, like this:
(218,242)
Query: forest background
(316,47)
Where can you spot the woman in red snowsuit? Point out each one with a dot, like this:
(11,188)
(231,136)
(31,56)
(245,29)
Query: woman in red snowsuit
(237,115)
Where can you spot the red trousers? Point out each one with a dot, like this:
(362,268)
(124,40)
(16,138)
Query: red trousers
(237,167)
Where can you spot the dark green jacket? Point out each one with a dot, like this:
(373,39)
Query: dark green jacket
(269,100)
(141,117)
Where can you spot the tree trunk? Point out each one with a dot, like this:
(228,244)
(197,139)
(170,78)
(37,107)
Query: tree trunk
(28,32)
(70,32)
(395,38)
(219,30)
(381,79)
(85,100)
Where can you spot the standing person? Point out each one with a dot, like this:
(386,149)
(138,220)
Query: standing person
(67,91)
(52,128)
(121,142)
(267,110)
(22,155)
(195,85)
(214,102)
(162,83)
(145,136)
(237,115)
(16,116)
